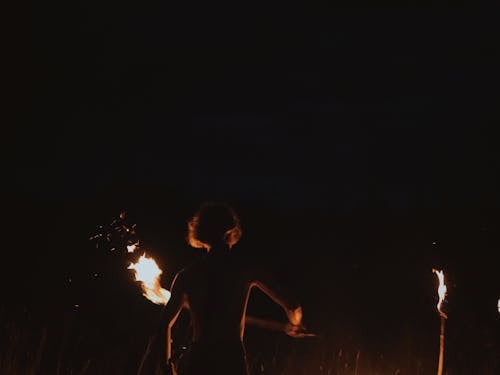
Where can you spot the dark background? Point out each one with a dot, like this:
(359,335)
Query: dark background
(358,146)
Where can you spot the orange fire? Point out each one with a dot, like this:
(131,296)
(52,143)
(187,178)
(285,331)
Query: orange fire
(148,273)
(441,291)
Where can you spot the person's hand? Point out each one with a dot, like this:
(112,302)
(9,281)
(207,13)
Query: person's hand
(295,316)
(168,368)
(293,330)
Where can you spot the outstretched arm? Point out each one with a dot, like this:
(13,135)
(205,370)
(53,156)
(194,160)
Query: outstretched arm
(282,296)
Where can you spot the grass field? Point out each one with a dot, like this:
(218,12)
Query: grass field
(69,344)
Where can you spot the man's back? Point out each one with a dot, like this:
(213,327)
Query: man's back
(216,291)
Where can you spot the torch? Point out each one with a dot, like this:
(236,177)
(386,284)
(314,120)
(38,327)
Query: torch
(441,295)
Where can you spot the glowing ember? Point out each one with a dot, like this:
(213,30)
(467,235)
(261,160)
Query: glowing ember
(148,273)
(441,291)
(499,305)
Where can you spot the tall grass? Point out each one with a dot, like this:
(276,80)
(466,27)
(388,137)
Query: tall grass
(69,347)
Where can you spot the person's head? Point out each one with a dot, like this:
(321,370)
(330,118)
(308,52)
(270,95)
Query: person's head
(212,225)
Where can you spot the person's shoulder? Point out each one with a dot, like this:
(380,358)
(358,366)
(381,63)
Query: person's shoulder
(240,258)
(188,270)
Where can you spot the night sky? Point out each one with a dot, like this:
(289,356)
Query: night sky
(358,145)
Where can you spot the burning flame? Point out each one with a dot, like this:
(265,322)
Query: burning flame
(441,291)
(148,273)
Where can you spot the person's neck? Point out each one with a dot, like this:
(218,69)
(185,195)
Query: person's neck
(219,249)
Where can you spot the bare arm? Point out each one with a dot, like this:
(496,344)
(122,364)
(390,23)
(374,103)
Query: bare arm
(161,352)
(172,310)
(282,296)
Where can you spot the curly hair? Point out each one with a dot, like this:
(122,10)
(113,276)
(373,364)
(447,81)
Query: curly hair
(212,223)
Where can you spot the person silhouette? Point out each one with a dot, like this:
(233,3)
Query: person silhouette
(215,289)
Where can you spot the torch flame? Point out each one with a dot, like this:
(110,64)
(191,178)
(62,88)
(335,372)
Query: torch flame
(441,291)
(148,273)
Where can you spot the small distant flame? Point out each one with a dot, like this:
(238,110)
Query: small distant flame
(132,247)
(148,273)
(441,291)
(499,305)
